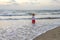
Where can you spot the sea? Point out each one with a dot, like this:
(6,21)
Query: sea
(16,24)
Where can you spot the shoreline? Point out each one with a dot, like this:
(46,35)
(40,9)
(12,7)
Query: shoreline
(53,34)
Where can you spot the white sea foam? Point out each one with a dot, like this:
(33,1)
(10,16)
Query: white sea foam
(24,30)
(26,17)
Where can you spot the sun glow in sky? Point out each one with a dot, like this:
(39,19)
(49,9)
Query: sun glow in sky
(26,1)
(38,2)
(33,3)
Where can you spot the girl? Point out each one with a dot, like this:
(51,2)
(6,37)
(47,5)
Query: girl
(33,18)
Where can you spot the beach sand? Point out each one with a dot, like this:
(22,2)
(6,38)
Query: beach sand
(50,35)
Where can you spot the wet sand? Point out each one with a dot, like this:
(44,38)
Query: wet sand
(50,35)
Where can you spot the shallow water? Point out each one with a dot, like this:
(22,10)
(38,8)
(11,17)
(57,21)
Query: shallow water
(16,25)
(24,29)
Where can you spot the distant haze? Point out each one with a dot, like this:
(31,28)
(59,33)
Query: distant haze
(30,4)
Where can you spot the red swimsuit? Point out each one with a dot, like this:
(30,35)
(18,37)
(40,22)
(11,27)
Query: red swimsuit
(33,20)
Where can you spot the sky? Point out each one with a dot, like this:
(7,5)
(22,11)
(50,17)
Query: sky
(30,4)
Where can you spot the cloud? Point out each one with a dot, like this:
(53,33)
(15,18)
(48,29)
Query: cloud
(32,4)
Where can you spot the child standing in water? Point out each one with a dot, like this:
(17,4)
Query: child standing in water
(33,18)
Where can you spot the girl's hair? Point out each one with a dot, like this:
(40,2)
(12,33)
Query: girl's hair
(33,14)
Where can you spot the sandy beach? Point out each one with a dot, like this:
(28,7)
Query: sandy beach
(50,35)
